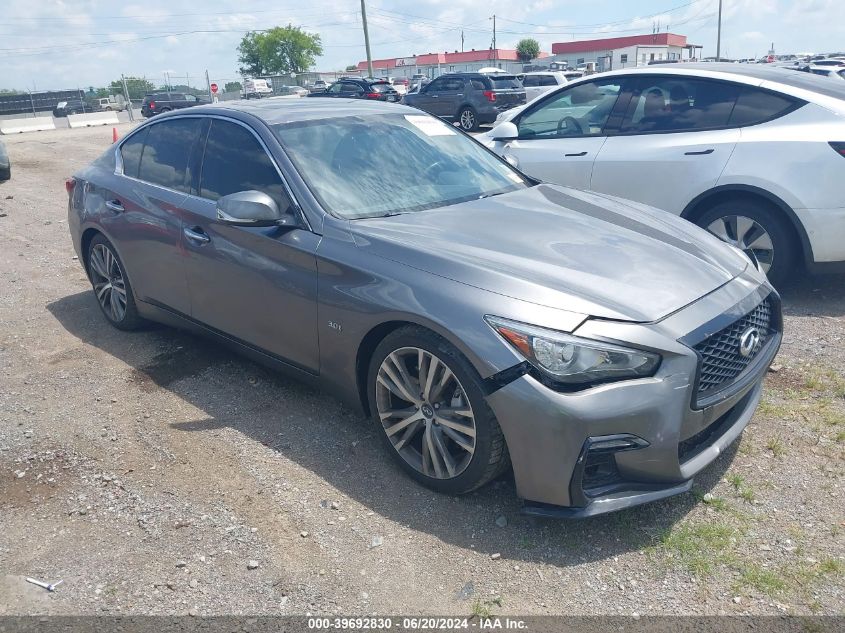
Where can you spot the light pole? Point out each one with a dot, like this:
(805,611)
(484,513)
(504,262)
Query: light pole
(719,34)
(367,38)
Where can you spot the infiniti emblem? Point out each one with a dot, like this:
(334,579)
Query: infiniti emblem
(749,341)
(427,411)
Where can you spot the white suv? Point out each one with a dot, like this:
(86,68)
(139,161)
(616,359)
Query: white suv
(752,153)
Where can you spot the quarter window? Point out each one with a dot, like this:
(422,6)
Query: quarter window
(755,106)
(669,104)
(235,161)
(168,147)
(582,110)
(130,152)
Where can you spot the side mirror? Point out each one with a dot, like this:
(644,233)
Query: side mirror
(506,131)
(251,208)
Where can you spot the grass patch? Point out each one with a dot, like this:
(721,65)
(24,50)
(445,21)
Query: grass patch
(777,447)
(736,481)
(747,495)
(484,608)
(763,580)
(698,547)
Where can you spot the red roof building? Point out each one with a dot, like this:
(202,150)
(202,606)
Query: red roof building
(614,43)
(445,59)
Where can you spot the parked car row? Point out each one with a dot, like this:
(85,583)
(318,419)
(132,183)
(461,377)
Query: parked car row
(78,106)
(492,312)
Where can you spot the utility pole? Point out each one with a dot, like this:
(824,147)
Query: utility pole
(128,100)
(719,34)
(367,38)
(462,41)
(208,86)
(495,52)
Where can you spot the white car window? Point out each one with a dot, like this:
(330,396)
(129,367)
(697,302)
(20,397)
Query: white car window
(581,110)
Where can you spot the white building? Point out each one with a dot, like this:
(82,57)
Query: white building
(623,52)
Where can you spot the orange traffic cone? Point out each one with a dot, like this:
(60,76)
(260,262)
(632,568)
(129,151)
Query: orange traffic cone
(114,135)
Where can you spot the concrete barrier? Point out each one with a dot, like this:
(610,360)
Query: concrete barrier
(32,124)
(95,118)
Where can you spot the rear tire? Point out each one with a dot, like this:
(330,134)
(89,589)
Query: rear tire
(468,119)
(444,433)
(111,285)
(755,227)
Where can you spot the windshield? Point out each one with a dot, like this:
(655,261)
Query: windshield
(383,164)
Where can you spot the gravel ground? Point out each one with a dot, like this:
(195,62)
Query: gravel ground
(156,473)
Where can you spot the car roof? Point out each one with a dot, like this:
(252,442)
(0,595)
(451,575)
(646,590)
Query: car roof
(806,86)
(290,110)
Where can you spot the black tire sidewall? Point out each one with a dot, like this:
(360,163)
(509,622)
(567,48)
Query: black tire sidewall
(474,118)
(131,320)
(486,427)
(785,248)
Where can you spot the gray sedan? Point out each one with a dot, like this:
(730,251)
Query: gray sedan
(603,351)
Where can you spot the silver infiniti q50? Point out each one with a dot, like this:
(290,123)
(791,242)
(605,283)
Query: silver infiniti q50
(601,350)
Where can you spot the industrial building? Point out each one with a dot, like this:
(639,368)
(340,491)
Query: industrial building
(623,52)
(435,64)
(603,54)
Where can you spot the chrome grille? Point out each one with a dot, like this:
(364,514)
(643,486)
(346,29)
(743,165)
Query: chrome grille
(721,361)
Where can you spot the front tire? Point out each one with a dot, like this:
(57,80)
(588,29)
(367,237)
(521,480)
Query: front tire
(758,229)
(468,119)
(428,404)
(111,285)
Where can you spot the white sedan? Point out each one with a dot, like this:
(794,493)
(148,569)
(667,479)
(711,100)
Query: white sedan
(754,154)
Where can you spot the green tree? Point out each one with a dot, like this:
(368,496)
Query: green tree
(136,86)
(6,91)
(351,67)
(232,86)
(527,49)
(279,51)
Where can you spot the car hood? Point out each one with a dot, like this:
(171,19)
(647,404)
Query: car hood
(562,248)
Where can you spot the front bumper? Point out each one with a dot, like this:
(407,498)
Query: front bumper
(550,434)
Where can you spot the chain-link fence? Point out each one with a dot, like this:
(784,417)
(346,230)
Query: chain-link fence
(126,93)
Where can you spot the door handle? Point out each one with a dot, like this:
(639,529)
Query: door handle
(575,155)
(703,152)
(115,206)
(197,235)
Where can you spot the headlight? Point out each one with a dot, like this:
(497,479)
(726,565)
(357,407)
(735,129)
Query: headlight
(571,360)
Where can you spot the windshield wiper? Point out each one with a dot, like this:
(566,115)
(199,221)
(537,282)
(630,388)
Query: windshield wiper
(490,195)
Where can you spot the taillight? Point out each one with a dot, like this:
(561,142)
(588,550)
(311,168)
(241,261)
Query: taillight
(490,95)
(373,95)
(839,148)
(151,105)
(70,183)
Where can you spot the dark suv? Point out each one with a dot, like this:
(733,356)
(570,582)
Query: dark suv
(71,106)
(158,102)
(471,99)
(353,88)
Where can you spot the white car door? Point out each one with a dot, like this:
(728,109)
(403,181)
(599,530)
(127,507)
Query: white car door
(561,135)
(673,143)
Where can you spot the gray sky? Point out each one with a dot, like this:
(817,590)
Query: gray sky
(51,44)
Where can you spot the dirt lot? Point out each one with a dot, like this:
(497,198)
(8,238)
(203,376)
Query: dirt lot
(157,473)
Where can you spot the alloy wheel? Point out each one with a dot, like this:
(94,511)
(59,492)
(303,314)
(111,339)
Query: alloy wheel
(467,120)
(109,282)
(425,413)
(747,235)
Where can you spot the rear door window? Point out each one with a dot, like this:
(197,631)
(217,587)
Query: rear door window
(478,84)
(349,88)
(756,106)
(235,161)
(380,88)
(130,152)
(531,81)
(505,82)
(168,148)
(679,104)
